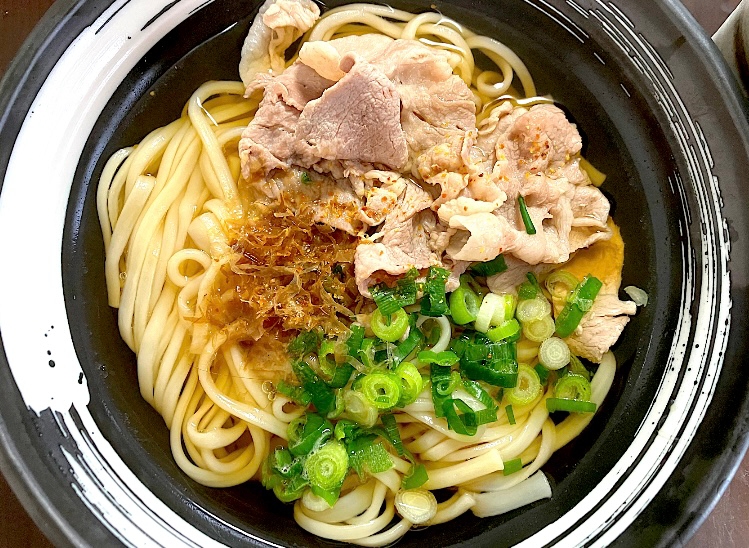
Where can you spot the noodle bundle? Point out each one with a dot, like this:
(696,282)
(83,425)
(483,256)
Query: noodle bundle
(211,286)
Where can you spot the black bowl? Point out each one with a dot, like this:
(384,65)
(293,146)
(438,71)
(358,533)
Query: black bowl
(658,112)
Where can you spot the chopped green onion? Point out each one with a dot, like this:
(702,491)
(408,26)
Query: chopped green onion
(416,477)
(367,456)
(380,389)
(543,373)
(326,469)
(440,378)
(505,310)
(411,343)
(434,301)
(305,178)
(494,363)
(483,416)
(527,221)
(359,409)
(573,387)
(355,340)
(530,310)
(367,353)
(390,299)
(389,328)
(475,390)
(385,298)
(509,330)
(338,407)
(416,505)
(294,393)
(407,289)
(533,281)
(321,395)
(526,291)
(284,463)
(313,502)
(444,358)
(307,433)
(487,311)
(539,330)
(577,367)
(455,383)
(480,348)
(512,466)
(554,353)
(464,305)
(638,296)
(510,414)
(392,434)
(511,303)
(571,406)
(468,281)
(327,348)
(341,375)
(529,289)
(434,334)
(411,383)
(505,376)
(578,303)
(490,268)
(304,343)
(346,429)
(462,423)
(459,345)
(290,489)
(528,387)
(560,283)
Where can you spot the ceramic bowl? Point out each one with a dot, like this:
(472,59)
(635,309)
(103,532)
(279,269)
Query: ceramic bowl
(659,113)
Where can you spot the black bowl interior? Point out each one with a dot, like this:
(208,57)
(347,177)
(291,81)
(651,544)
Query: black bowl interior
(622,137)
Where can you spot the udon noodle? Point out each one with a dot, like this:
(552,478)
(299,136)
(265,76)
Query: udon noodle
(171,208)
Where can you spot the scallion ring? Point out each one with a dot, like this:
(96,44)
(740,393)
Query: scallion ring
(487,310)
(464,305)
(411,383)
(327,467)
(445,332)
(359,409)
(506,330)
(506,311)
(381,389)
(416,505)
(313,502)
(573,387)
(389,328)
(554,353)
(532,309)
(560,283)
(528,387)
(539,330)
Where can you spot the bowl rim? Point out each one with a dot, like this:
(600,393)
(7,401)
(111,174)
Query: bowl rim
(58,28)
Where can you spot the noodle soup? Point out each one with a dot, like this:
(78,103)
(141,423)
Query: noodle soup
(367,273)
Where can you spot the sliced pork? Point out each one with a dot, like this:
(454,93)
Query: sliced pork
(536,153)
(601,327)
(276,26)
(403,241)
(367,110)
(338,126)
